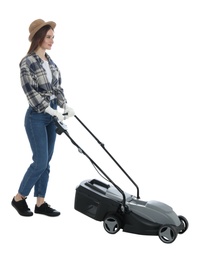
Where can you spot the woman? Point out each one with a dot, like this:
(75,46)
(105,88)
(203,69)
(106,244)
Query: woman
(41,82)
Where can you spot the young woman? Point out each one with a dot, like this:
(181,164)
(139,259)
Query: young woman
(41,82)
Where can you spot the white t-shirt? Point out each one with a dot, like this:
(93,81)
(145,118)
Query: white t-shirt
(48,71)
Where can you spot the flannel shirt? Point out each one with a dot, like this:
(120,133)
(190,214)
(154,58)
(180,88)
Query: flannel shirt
(35,83)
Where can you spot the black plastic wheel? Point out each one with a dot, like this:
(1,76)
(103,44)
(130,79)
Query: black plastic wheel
(167,234)
(185,223)
(112,224)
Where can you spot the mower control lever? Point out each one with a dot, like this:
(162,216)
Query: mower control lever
(61,127)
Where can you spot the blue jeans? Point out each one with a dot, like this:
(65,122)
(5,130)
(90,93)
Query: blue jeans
(40,129)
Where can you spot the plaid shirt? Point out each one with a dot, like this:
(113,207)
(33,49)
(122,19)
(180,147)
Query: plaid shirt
(35,83)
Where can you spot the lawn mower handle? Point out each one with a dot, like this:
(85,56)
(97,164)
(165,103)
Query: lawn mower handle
(103,146)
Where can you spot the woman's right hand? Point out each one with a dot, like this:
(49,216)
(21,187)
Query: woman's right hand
(54,113)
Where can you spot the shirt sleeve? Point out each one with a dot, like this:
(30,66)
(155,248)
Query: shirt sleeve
(30,86)
(59,92)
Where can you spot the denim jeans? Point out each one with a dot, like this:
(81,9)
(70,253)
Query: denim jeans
(40,129)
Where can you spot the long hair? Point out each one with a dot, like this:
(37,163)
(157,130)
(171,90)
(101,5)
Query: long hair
(38,38)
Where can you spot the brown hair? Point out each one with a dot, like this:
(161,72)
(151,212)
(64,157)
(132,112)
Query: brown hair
(38,38)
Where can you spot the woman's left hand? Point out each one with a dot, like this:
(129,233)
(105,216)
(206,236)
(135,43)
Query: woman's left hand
(68,112)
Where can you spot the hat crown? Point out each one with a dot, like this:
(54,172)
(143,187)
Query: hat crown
(35,24)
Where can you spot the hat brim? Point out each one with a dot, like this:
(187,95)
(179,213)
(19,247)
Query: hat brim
(51,23)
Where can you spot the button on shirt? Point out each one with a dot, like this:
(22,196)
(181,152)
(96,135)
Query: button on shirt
(37,87)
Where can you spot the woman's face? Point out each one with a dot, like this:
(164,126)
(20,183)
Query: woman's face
(48,41)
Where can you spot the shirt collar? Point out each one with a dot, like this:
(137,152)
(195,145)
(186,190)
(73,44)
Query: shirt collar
(39,59)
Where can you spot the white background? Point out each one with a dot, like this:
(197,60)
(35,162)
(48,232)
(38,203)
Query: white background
(135,74)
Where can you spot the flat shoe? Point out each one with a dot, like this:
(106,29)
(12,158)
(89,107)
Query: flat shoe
(22,208)
(46,209)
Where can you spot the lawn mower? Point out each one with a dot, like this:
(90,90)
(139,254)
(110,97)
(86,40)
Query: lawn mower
(108,203)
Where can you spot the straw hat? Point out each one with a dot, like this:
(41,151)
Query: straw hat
(38,24)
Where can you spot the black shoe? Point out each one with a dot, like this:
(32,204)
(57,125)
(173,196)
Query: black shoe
(22,208)
(45,209)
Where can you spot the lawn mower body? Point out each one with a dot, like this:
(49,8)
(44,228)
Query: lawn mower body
(103,202)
